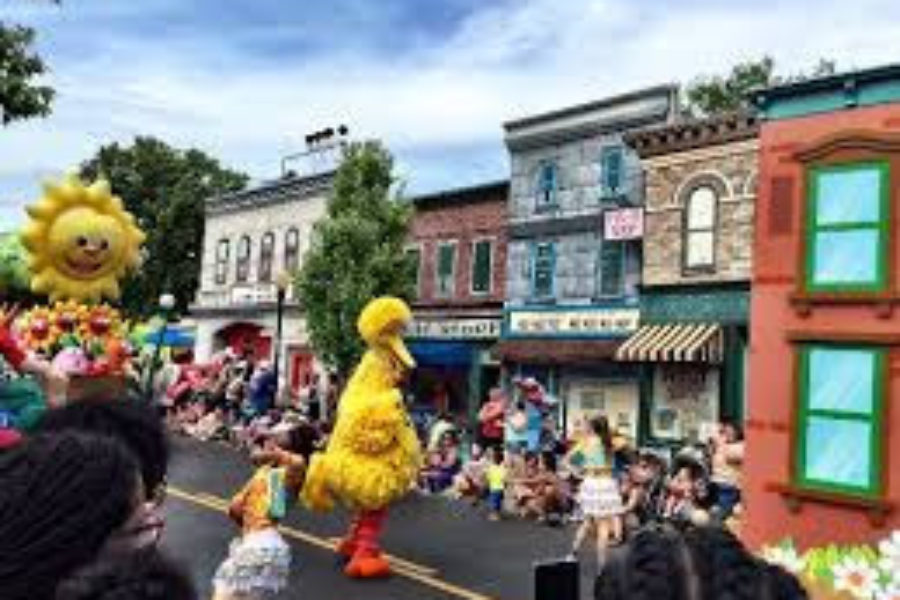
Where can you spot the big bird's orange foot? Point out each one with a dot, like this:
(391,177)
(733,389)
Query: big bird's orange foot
(367,566)
(346,547)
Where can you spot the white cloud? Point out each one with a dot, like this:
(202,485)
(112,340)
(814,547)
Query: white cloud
(444,97)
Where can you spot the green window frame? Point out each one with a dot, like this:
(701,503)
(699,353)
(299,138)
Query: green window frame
(446,270)
(414,261)
(482,265)
(543,270)
(840,419)
(864,237)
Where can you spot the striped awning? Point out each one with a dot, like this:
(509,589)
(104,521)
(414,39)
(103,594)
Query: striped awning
(674,342)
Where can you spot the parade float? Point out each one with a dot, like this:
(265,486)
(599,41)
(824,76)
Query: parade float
(80,242)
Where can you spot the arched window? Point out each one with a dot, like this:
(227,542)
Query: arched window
(292,250)
(700,228)
(223,250)
(243,259)
(266,254)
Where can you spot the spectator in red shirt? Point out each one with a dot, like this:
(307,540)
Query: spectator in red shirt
(491,419)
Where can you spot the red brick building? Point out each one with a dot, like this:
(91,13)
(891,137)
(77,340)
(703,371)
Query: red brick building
(822,431)
(459,239)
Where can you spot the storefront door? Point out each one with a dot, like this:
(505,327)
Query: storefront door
(617,400)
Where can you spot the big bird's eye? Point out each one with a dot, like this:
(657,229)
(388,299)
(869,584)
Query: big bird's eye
(104,245)
(81,241)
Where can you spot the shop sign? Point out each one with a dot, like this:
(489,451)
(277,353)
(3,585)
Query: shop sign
(253,294)
(574,323)
(455,329)
(623,224)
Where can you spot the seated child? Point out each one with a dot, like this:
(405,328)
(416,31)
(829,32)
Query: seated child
(471,482)
(682,502)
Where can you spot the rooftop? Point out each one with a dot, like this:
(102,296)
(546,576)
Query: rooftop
(478,192)
(273,192)
(830,93)
(693,133)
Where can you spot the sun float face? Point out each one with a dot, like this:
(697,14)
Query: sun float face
(81,241)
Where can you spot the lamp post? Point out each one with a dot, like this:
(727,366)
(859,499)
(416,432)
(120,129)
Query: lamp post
(166,304)
(282,282)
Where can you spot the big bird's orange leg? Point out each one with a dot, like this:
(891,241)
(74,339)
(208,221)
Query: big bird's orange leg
(367,561)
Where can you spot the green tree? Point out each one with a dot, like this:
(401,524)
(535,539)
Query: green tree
(165,188)
(717,94)
(14,275)
(356,254)
(21,96)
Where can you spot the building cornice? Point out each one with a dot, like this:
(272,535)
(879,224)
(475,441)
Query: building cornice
(693,134)
(288,189)
(719,151)
(492,191)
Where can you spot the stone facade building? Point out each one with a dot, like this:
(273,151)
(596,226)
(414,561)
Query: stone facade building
(458,239)
(697,263)
(572,290)
(251,236)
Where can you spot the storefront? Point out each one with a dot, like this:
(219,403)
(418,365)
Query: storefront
(455,365)
(571,351)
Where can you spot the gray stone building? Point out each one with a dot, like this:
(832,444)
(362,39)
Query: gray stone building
(574,253)
(698,257)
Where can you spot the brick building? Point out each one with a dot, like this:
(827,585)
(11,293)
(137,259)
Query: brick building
(458,237)
(250,237)
(823,433)
(700,178)
(572,291)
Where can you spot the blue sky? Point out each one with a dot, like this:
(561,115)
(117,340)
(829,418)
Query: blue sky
(246,79)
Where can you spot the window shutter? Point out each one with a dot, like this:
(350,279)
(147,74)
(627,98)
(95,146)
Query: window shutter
(481,267)
(612,261)
(781,206)
(611,163)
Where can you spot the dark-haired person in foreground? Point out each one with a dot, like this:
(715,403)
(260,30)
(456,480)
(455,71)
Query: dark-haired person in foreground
(661,563)
(141,575)
(135,425)
(66,500)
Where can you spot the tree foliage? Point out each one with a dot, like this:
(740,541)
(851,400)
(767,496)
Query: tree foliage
(165,188)
(21,96)
(356,254)
(718,94)
(14,275)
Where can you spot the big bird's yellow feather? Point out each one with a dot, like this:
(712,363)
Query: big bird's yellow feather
(373,456)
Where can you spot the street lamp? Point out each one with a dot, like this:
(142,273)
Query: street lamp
(282,282)
(166,304)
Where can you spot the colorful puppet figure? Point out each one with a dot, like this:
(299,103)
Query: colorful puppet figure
(373,456)
(81,241)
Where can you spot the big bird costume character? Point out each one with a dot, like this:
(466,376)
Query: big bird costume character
(373,456)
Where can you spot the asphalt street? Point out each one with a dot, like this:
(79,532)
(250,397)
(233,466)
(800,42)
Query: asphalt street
(442,549)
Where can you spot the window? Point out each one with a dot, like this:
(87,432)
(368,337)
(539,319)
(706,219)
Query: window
(266,254)
(839,426)
(543,265)
(243,259)
(222,251)
(414,260)
(700,229)
(611,269)
(547,185)
(446,270)
(482,262)
(292,250)
(611,167)
(847,228)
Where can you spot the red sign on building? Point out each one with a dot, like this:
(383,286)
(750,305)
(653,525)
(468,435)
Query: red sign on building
(623,224)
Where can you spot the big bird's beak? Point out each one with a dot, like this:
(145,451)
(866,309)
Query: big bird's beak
(398,349)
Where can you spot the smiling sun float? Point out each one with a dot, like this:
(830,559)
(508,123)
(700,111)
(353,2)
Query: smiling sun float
(80,241)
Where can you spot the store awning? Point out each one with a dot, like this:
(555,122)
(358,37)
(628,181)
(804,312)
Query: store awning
(674,342)
(442,354)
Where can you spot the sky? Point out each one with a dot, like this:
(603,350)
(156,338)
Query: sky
(246,80)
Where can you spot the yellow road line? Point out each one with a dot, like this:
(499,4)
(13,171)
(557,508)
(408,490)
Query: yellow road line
(404,568)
